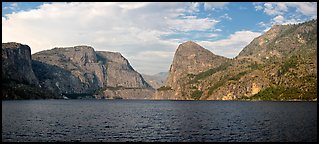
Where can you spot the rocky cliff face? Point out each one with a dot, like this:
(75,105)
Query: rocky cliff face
(189,59)
(122,81)
(279,65)
(69,70)
(81,70)
(18,78)
(16,63)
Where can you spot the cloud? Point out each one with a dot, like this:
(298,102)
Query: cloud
(273,9)
(286,12)
(258,7)
(279,19)
(146,61)
(214,5)
(308,9)
(129,28)
(231,46)
(226,17)
(12,6)
(280,8)
(217,30)
(191,23)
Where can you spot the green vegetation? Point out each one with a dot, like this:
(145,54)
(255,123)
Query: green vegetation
(117,97)
(193,87)
(197,94)
(214,87)
(164,88)
(238,76)
(281,93)
(209,72)
(191,75)
(255,66)
(78,95)
(290,63)
(14,90)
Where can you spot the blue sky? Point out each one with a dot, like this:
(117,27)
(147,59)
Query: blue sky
(147,34)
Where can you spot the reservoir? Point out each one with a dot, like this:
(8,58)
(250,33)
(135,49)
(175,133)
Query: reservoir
(158,120)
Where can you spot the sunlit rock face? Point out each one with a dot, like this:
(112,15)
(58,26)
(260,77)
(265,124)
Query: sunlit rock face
(80,69)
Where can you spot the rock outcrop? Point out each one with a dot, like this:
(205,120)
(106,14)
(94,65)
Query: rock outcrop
(18,78)
(71,70)
(189,59)
(80,70)
(122,81)
(16,63)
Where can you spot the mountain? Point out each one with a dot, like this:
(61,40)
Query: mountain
(80,70)
(189,59)
(157,80)
(18,78)
(122,80)
(74,72)
(278,65)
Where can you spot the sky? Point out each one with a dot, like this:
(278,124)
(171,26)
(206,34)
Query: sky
(147,34)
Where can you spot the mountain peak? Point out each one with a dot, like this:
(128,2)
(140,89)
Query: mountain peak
(191,48)
(189,43)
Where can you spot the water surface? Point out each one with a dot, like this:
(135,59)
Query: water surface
(147,120)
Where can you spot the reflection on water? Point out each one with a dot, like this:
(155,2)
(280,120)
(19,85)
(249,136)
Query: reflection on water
(146,120)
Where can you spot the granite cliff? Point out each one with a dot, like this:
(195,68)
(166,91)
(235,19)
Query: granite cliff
(18,78)
(80,70)
(74,72)
(278,65)
(189,59)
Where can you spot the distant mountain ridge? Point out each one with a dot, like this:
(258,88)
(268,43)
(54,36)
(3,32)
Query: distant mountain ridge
(157,80)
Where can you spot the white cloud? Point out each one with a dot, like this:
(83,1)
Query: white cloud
(212,35)
(308,9)
(213,5)
(226,17)
(190,23)
(272,9)
(280,8)
(231,46)
(287,12)
(128,28)
(258,7)
(148,59)
(194,7)
(13,6)
(217,30)
(279,19)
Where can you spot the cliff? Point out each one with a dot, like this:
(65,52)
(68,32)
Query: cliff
(18,78)
(189,59)
(122,81)
(80,70)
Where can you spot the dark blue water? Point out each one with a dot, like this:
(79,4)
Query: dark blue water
(145,120)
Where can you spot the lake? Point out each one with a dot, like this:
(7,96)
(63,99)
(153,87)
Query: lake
(161,120)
